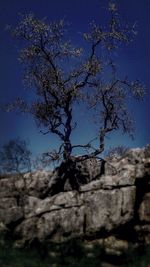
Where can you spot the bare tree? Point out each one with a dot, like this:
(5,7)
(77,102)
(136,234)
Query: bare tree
(15,157)
(118,151)
(63,76)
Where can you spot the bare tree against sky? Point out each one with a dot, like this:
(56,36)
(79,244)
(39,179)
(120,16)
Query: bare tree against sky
(15,157)
(63,76)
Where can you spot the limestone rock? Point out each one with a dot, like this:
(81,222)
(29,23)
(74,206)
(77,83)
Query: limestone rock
(9,210)
(32,184)
(144,210)
(37,183)
(7,187)
(73,213)
(113,198)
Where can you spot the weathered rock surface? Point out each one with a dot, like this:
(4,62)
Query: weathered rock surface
(74,213)
(115,200)
(144,210)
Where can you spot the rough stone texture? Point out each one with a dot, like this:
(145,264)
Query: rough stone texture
(90,169)
(38,183)
(100,208)
(10,211)
(74,213)
(32,184)
(7,187)
(86,171)
(144,210)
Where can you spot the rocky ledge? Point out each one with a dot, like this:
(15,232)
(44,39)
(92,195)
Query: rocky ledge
(113,208)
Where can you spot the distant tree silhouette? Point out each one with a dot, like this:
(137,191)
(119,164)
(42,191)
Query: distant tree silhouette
(64,76)
(118,151)
(15,157)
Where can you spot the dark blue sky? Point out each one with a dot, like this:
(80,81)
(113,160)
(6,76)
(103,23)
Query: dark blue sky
(133,60)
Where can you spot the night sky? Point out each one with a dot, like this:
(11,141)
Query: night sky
(133,60)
